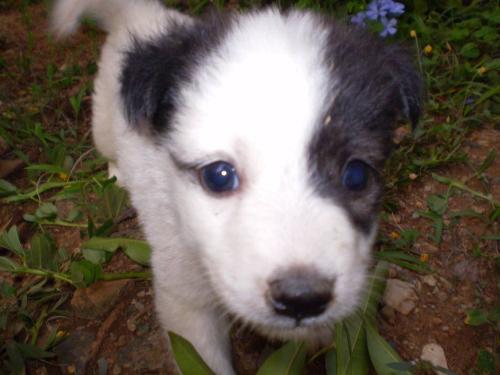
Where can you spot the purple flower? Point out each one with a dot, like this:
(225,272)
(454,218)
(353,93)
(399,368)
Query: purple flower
(392,7)
(359,19)
(389,26)
(375,11)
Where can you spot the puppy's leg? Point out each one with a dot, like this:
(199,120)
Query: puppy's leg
(204,328)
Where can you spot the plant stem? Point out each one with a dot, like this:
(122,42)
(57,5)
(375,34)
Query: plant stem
(44,273)
(461,186)
(125,275)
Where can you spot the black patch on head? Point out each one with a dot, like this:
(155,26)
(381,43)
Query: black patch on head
(154,70)
(372,85)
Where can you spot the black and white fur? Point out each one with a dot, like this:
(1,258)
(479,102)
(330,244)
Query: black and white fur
(288,98)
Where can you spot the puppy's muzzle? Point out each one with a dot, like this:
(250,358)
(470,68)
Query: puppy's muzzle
(300,293)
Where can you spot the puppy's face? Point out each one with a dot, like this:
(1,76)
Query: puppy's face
(273,131)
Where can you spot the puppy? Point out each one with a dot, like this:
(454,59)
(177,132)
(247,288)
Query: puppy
(252,147)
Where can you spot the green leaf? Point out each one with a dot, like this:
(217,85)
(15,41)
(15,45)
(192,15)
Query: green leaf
(485,362)
(113,202)
(187,358)
(343,349)
(290,359)
(487,162)
(470,50)
(381,352)
(404,260)
(476,317)
(33,352)
(137,250)
(6,188)
(331,362)
(487,33)
(401,366)
(458,34)
(84,273)
(46,211)
(42,254)
(7,264)
(47,168)
(96,256)
(374,290)
(15,359)
(352,353)
(10,241)
(437,203)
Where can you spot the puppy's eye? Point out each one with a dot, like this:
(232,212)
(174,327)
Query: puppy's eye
(219,177)
(355,176)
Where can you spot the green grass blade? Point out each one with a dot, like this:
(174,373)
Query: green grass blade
(381,352)
(290,359)
(187,358)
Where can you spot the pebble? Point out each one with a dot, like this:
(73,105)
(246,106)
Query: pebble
(131,325)
(400,295)
(434,353)
(429,280)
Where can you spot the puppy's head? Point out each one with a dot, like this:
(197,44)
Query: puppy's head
(272,130)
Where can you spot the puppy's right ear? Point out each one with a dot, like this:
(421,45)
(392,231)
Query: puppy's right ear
(155,70)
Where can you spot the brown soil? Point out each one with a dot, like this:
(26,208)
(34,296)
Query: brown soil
(127,333)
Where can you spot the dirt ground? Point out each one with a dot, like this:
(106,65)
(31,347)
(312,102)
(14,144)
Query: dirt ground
(112,327)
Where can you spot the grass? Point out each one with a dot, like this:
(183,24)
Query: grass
(45,123)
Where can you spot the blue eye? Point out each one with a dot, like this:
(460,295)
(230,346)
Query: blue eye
(355,176)
(219,177)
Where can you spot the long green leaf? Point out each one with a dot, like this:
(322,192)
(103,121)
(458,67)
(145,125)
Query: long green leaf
(375,290)
(381,352)
(137,250)
(187,358)
(290,359)
(331,362)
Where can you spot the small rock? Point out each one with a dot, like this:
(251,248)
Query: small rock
(434,354)
(96,300)
(400,295)
(466,270)
(131,325)
(429,280)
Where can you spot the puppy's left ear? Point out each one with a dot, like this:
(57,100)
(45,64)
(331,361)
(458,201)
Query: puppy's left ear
(409,80)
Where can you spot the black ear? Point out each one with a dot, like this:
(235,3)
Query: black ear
(154,70)
(408,79)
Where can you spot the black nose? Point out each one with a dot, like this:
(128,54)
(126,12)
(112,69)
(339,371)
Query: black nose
(300,294)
